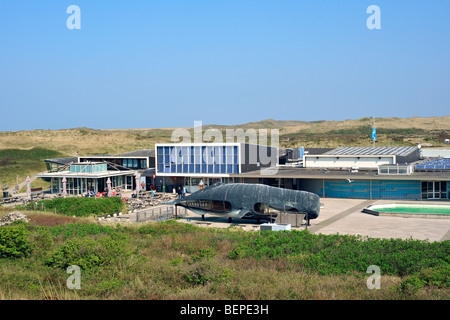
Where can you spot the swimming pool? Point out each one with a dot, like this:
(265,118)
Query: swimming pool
(410,210)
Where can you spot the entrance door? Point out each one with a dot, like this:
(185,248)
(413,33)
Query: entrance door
(434,190)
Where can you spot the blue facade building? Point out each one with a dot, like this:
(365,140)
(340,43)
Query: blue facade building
(198,159)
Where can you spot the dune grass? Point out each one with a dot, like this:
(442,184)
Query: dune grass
(176,261)
(17,164)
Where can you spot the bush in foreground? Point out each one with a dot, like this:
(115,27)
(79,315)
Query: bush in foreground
(14,242)
(82,207)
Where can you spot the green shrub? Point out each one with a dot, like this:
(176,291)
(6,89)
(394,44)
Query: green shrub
(439,277)
(82,207)
(338,254)
(176,261)
(203,254)
(14,242)
(87,253)
(108,286)
(167,227)
(204,271)
(42,240)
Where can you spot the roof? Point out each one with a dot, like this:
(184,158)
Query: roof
(63,160)
(375,151)
(311,151)
(314,173)
(138,153)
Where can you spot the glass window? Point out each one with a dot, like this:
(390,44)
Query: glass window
(205,204)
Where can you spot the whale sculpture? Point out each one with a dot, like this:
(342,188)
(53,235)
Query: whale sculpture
(250,201)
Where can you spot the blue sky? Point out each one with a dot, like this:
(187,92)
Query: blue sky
(168,63)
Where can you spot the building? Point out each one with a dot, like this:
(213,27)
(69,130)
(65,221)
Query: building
(196,164)
(364,173)
(395,173)
(92,172)
(362,157)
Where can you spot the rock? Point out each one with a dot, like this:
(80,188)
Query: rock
(11,217)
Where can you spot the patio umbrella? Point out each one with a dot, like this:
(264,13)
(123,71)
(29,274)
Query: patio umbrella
(138,178)
(64,192)
(108,183)
(27,181)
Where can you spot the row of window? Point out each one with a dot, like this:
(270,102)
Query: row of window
(198,155)
(135,163)
(88,168)
(188,150)
(197,168)
(209,205)
(198,159)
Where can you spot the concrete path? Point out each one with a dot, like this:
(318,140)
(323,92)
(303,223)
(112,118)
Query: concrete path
(316,227)
(354,221)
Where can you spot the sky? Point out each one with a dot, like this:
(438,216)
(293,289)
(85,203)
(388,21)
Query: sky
(168,63)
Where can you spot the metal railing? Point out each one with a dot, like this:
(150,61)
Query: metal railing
(160,213)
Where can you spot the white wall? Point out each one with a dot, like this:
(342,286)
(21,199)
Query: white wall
(347,162)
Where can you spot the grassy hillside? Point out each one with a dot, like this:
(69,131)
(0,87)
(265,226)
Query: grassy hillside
(28,153)
(390,132)
(18,164)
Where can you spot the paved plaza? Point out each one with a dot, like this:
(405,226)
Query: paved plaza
(345,216)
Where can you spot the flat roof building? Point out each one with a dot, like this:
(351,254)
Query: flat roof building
(362,157)
(353,172)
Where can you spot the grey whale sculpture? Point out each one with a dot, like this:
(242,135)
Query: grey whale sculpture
(253,201)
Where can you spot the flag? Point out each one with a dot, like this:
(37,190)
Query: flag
(374,134)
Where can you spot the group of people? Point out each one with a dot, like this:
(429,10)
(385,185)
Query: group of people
(181,191)
(91,193)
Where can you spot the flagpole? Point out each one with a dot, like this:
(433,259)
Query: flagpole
(373,128)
